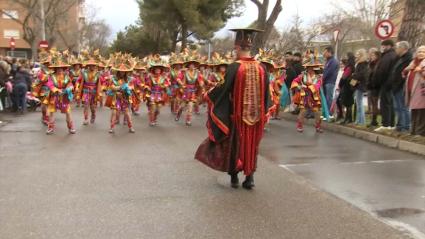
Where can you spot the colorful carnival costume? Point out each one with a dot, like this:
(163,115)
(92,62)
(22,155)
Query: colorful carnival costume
(191,82)
(157,88)
(119,91)
(40,88)
(76,73)
(139,75)
(237,115)
(216,77)
(276,82)
(306,94)
(89,87)
(176,64)
(60,91)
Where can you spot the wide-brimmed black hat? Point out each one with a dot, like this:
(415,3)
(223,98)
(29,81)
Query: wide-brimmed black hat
(245,36)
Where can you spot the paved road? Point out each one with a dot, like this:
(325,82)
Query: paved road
(147,185)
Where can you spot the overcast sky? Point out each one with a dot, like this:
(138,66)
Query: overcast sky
(119,14)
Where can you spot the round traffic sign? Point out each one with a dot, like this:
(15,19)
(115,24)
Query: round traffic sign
(12,43)
(43,44)
(384,29)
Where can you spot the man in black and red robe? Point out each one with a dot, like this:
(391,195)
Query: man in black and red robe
(237,113)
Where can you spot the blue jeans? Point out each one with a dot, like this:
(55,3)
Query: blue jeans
(360,115)
(329,94)
(401,110)
(19,94)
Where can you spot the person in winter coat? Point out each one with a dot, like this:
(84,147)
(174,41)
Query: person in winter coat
(382,76)
(397,81)
(372,86)
(21,84)
(358,81)
(415,91)
(346,98)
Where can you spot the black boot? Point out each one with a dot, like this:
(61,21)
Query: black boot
(248,184)
(234,180)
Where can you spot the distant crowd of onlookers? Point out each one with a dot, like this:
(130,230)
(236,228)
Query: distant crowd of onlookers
(16,77)
(392,78)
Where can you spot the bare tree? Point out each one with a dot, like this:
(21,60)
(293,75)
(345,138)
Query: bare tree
(54,11)
(264,23)
(412,27)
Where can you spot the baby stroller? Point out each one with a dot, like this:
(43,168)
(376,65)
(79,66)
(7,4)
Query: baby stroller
(32,102)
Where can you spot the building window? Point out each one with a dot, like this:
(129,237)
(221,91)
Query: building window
(11,33)
(9,14)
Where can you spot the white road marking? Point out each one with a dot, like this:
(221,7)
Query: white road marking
(286,166)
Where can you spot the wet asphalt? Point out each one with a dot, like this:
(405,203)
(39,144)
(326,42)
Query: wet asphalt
(147,185)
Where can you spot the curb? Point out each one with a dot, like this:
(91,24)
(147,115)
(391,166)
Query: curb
(368,136)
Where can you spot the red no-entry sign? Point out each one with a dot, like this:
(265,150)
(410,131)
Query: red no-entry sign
(12,43)
(384,29)
(43,44)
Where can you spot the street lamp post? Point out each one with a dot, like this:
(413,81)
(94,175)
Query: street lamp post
(43,21)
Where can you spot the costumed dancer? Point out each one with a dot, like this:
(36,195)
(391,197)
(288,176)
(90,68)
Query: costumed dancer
(157,88)
(61,88)
(119,91)
(285,98)
(217,76)
(266,57)
(192,83)
(176,64)
(76,73)
(306,94)
(105,75)
(89,87)
(139,75)
(40,88)
(237,115)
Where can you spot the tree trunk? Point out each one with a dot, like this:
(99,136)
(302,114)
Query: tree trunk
(184,36)
(34,49)
(412,27)
(174,37)
(265,24)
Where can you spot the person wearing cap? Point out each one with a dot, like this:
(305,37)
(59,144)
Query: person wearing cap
(119,91)
(157,88)
(237,115)
(60,91)
(192,83)
(306,93)
(89,88)
(39,86)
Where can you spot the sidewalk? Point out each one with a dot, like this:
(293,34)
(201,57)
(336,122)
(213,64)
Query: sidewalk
(389,141)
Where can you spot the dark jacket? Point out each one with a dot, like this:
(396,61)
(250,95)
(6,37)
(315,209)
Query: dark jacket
(371,82)
(23,77)
(383,69)
(290,75)
(361,74)
(396,78)
(330,72)
(346,90)
(298,68)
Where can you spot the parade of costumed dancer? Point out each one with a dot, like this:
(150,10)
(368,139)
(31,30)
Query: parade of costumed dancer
(76,73)
(89,87)
(192,83)
(157,87)
(61,88)
(139,75)
(119,91)
(40,88)
(176,66)
(205,67)
(237,115)
(306,93)
(266,57)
